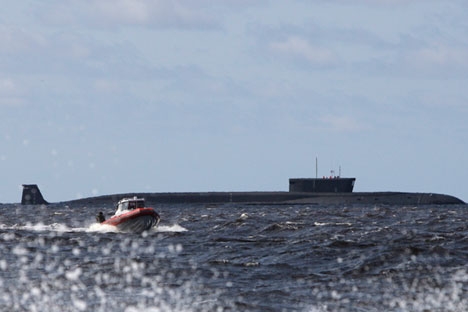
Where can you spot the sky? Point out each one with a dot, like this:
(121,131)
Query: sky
(114,96)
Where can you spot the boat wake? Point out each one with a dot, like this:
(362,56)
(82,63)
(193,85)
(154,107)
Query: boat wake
(105,228)
(41,227)
(93,228)
(175,228)
(102,228)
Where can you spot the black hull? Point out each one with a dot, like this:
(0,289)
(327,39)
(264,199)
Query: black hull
(290,198)
(32,195)
(325,185)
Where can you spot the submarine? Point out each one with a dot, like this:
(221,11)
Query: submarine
(333,190)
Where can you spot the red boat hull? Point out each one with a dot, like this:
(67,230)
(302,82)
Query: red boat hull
(136,220)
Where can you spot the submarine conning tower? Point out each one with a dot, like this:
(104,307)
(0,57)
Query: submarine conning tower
(32,195)
(322,185)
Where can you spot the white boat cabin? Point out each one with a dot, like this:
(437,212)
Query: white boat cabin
(128,204)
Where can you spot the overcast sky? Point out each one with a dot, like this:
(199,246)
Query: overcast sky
(109,96)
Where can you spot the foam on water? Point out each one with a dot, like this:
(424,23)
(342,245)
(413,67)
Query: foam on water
(171,228)
(416,296)
(94,227)
(105,228)
(40,227)
(102,228)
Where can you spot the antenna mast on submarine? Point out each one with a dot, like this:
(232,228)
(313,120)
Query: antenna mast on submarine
(316,167)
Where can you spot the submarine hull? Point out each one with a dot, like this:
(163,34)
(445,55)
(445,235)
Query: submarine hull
(289,198)
(32,196)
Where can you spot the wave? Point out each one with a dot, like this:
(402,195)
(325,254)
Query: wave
(40,227)
(101,228)
(94,227)
(171,228)
(105,228)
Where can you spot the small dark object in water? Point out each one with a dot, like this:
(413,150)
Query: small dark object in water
(100,217)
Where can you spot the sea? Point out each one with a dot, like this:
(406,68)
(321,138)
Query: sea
(236,257)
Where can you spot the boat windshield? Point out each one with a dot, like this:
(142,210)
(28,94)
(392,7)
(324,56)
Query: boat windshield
(130,204)
(123,206)
(136,204)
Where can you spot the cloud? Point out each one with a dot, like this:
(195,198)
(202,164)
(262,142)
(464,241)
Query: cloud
(124,11)
(374,3)
(423,57)
(7,85)
(16,40)
(342,123)
(439,55)
(9,93)
(166,14)
(414,53)
(298,47)
(119,13)
(43,55)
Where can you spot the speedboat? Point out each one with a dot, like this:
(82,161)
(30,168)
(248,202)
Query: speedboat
(132,216)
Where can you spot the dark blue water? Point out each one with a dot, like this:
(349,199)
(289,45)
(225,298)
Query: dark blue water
(237,258)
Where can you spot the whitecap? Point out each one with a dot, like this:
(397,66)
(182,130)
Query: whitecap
(103,228)
(171,228)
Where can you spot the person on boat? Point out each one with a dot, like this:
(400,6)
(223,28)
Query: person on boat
(100,217)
